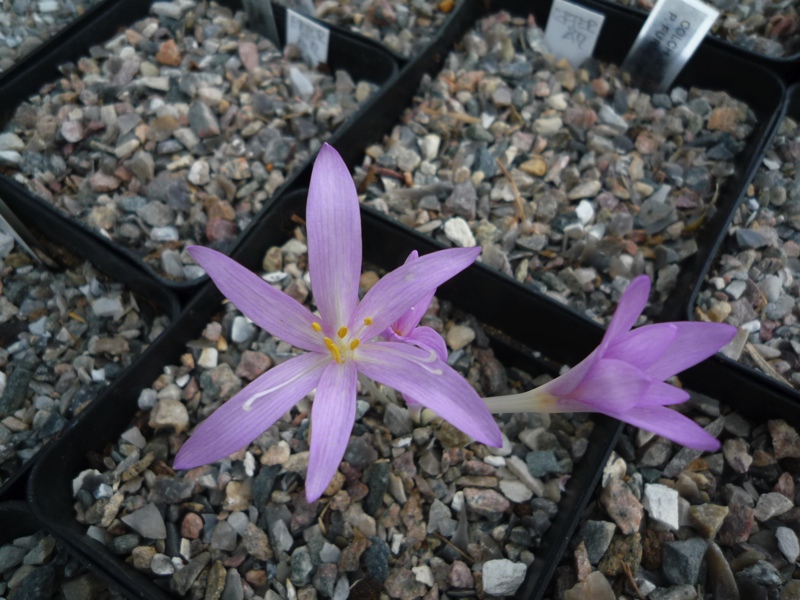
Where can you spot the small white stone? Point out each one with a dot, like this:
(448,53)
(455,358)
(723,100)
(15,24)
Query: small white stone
(585,212)
(495,461)
(736,288)
(135,437)
(457,231)
(423,574)
(502,577)
(199,173)
(301,84)
(209,358)
(516,491)
(662,504)
(787,543)
(520,470)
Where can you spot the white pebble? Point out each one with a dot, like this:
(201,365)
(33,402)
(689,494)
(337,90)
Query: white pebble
(457,231)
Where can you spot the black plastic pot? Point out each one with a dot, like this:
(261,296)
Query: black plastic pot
(53,42)
(785,66)
(538,323)
(362,58)
(713,66)
(735,378)
(61,236)
(18,521)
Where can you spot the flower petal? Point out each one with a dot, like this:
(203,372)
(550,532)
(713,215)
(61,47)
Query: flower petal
(232,427)
(420,374)
(406,323)
(694,342)
(630,306)
(609,386)
(333,223)
(333,415)
(272,310)
(671,425)
(404,287)
(663,394)
(643,346)
(564,384)
(428,339)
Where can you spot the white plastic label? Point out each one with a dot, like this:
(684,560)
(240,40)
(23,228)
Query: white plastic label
(669,38)
(311,37)
(572,31)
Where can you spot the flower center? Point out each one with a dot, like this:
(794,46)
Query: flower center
(342,345)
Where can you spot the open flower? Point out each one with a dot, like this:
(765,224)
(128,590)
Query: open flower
(623,377)
(341,342)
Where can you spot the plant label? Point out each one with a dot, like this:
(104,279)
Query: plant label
(669,38)
(261,19)
(572,31)
(308,35)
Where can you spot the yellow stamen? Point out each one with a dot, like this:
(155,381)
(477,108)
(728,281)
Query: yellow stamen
(342,332)
(368,321)
(354,344)
(316,327)
(333,350)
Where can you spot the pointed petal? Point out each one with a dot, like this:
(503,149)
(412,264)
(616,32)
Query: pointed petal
(428,339)
(671,425)
(694,342)
(333,222)
(272,310)
(401,289)
(611,386)
(644,346)
(333,415)
(420,374)
(406,323)
(663,394)
(564,384)
(232,427)
(630,306)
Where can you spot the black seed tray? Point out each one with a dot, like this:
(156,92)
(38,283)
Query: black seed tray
(737,373)
(362,58)
(785,66)
(712,67)
(538,323)
(57,235)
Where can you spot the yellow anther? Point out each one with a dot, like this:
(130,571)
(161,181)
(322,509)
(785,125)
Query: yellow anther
(333,350)
(342,332)
(368,321)
(316,327)
(354,344)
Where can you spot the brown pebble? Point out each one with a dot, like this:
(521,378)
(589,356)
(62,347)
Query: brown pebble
(168,54)
(191,526)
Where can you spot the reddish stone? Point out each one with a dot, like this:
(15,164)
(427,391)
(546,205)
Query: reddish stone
(460,576)
(220,230)
(100,182)
(168,54)
(248,54)
(192,526)
(252,364)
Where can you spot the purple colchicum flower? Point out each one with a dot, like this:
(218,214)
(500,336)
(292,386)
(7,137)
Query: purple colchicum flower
(623,377)
(341,342)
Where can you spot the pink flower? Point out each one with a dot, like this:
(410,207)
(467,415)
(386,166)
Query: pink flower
(623,377)
(342,342)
